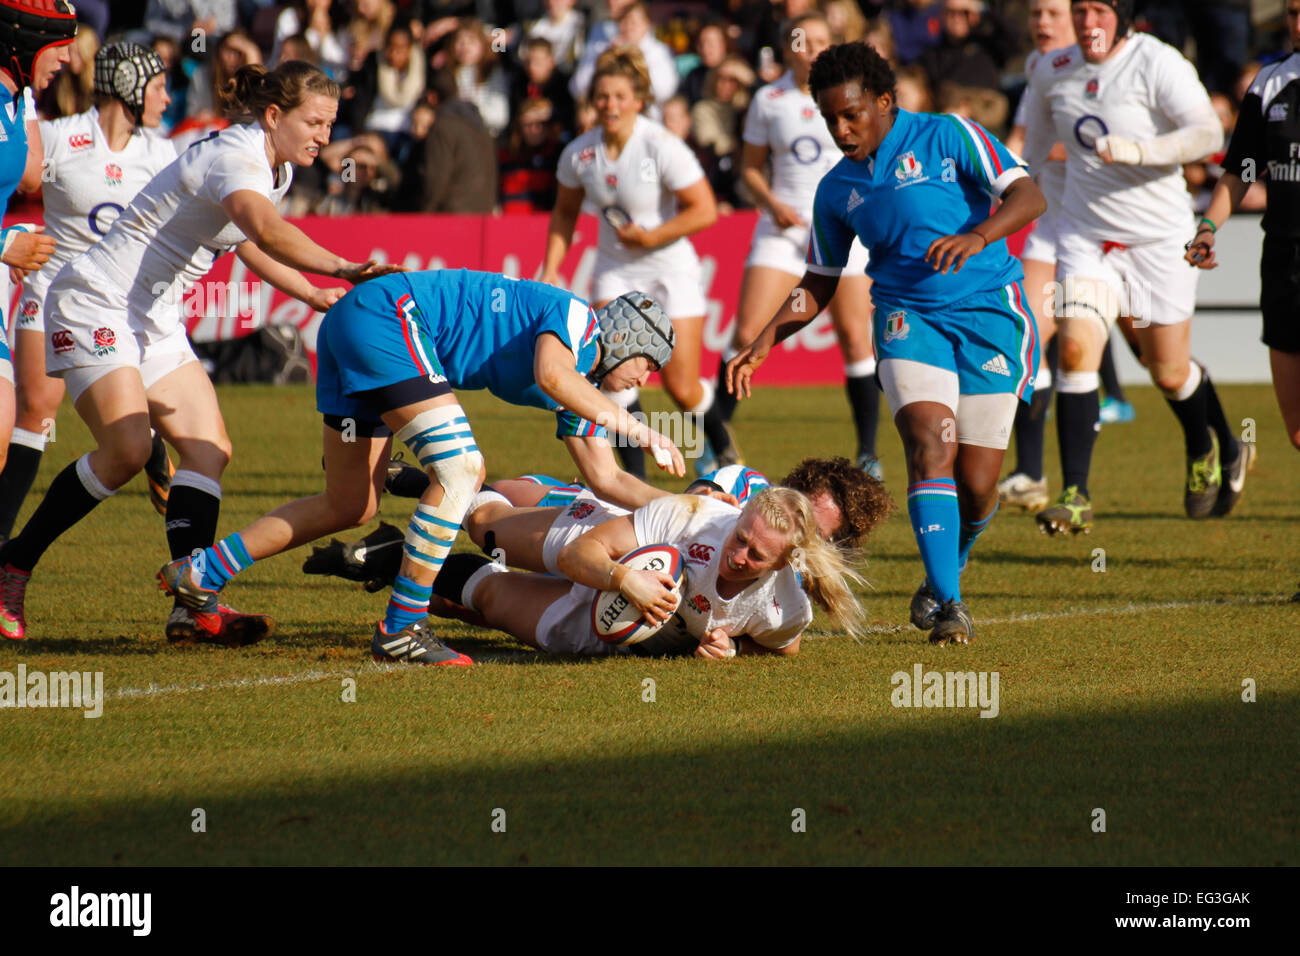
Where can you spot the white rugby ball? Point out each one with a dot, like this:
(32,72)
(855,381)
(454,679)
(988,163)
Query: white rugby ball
(614,618)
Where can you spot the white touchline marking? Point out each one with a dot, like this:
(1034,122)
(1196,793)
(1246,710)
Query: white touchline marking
(167,690)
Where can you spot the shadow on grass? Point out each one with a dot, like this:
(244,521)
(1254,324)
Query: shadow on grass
(1204,783)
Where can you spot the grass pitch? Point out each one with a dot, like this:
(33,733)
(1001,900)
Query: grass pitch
(1120,690)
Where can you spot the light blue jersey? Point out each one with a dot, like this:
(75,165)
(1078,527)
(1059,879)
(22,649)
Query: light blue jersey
(932,176)
(473,330)
(13,160)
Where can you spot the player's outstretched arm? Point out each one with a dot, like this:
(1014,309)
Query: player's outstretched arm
(804,304)
(555,372)
(697,209)
(34,168)
(260,221)
(601,473)
(287,280)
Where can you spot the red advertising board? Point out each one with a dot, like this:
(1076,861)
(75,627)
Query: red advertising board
(231,302)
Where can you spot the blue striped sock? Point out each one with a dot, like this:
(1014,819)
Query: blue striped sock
(223,561)
(932,505)
(969,532)
(408,604)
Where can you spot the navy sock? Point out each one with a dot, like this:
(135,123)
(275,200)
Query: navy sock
(864,400)
(724,401)
(1109,377)
(1077,425)
(1191,414)
(73,494)
(15,481)
(1031,425)
(1217,418)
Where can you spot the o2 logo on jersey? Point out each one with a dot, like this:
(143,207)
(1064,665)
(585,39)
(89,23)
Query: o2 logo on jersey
(1087,129)
(113,174)
(806,150)
(99,222)
(896,326)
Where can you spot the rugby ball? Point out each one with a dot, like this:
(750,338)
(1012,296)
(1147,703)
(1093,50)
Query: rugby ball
(614,618)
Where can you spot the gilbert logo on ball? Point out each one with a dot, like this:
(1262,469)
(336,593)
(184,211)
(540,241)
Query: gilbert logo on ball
(614,618)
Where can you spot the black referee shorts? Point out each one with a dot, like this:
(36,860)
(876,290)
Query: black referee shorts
(1279,296)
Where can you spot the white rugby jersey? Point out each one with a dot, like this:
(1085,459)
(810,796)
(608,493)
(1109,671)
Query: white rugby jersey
(87,185)
(175,227)
(1145,90)
(785,119)
(773,610)
(1040,137)
(638,187)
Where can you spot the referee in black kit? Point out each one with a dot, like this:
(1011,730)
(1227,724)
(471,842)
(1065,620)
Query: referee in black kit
(1266,144)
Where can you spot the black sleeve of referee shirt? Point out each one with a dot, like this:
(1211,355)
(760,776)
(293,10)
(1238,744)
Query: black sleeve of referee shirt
(1246,149)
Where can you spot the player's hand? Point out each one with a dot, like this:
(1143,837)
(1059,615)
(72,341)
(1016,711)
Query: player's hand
(716,645)
(634,237)
(1117,149)
(719,494)
(17,276)
(551,278)
(358,272)
(666,455)
(652,593)
(951,252)
(28,250)
(742,368)
(322,299)
(1200,251)
(785,217)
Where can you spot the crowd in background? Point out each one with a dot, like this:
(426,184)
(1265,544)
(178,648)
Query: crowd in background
(465,105)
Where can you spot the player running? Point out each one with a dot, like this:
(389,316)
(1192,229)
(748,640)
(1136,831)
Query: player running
(95,163)
(117,332)
(1051,28)
(34,41)
(956,343)
(1267,139)
(752,576)
(652,195)
(1130,111)
(387,358)
(783,125)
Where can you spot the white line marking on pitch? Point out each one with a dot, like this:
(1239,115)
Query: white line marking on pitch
(155,690)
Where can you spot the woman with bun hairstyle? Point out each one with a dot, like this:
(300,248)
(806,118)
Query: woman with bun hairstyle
(116,330)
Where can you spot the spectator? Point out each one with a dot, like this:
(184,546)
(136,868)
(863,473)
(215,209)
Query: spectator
(400,84)
(711,47)
(1221,29)
(916,25)
(312,19)
(585,117)
(912,90)
(94,14)
(633,30)
(540,79)
(459,172)
(959,57)
(527,161)
(366,32)
(716,122)
(234,50)
(987,107)
(477,77)
(177,84)
(847,23)
(363,178)
(604,31)
(760,30)
(179,19)
(563,28)
(296,47)
(880,37)
(72,90)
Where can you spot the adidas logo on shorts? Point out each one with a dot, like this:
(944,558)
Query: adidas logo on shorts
(997,365)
